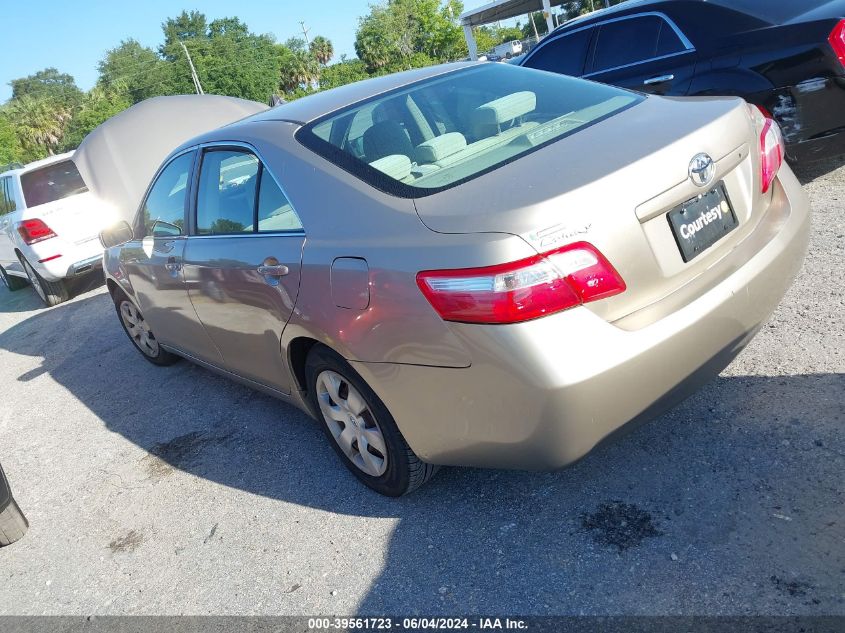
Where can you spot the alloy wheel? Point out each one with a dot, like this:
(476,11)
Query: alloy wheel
(352,423)
(138,329)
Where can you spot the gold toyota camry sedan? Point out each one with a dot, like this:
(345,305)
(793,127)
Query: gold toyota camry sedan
(469,264)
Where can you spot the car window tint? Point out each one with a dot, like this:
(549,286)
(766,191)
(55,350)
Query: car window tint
(7,200)
(226,193)
(275,212)
(668,41)
(565,55)
(164,208)
(51,183)
(626,42)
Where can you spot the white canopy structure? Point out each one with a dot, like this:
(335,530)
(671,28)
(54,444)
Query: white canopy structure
(502,10)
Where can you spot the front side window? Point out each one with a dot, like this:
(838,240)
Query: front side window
(565,55)
(163,212)
(451,128)
(634,40)
(51,183)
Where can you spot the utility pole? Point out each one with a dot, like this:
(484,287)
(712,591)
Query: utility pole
(305,33)
(536,36)
(194,77)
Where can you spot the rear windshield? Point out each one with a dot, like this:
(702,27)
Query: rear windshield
(51,183)
(437,133)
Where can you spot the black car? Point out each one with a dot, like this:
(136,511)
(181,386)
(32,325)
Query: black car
(13,524)
(786,56)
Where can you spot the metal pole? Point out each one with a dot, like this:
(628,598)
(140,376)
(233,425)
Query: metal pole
(196,79)
(305,33)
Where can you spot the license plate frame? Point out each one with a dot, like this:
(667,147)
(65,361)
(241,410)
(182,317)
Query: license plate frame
(700,222)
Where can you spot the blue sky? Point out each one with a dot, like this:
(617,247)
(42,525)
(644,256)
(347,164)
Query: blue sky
(74,35)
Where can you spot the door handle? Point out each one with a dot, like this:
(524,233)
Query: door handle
(173,266)
(271,269)
(277,270)
(661,79)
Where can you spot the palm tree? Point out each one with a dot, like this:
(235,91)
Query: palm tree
(40,124)
(322,49)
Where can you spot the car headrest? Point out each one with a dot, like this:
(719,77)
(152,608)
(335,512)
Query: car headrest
(397,166)
(386,138)
(440,147)
(494,113)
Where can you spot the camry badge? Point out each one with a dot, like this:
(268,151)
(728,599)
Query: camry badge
(702,169)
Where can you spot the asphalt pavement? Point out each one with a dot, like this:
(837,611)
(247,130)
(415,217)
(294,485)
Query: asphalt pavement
(174,491)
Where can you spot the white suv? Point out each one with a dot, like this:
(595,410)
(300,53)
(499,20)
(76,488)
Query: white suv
(49,227)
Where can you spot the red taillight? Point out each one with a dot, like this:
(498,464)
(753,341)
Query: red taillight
(33,231)
(523,290)
(837,41)
(771,152)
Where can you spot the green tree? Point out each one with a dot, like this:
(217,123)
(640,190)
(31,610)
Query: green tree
(98,105)
(322,49)
(401,34)
(10,147)
(47,83)
(39,124)
(185,26)
(342,73)
(298,70)
(137,70)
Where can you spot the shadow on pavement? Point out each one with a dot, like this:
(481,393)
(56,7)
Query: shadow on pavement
(809,171)
(26,300)
(731,502)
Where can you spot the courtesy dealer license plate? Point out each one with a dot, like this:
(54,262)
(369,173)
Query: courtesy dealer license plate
(699,223)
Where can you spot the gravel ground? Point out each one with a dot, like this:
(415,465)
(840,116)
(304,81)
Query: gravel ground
(175,491)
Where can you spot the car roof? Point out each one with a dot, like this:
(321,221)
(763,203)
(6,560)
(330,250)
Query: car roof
(769,11)
(37,164)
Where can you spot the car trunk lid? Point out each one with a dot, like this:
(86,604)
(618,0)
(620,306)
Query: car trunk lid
(612,185)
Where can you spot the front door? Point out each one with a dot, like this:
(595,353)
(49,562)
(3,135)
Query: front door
(242,263)
(153,263)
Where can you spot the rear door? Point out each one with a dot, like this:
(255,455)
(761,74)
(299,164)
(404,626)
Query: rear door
(153,262)
(644,52)
(242,262)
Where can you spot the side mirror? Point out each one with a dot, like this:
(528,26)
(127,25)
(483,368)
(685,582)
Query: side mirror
(116,234)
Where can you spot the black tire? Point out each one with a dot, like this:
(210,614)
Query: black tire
(10,281)
(13,524)
(405,472)
(51,292)
(159,356)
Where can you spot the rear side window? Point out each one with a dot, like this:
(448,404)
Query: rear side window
(164,208)
(565,55)
(7,199)
(226,195)
(237,195)
(634,40)
(51,183)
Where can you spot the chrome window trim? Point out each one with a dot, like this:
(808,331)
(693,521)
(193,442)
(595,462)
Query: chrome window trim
(153,180)
(241,144)
(688,45)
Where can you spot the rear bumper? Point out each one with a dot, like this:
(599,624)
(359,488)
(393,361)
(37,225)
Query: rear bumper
(827,146)
(542,394)
(74,259)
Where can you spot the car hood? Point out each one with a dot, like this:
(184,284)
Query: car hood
(119,157)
